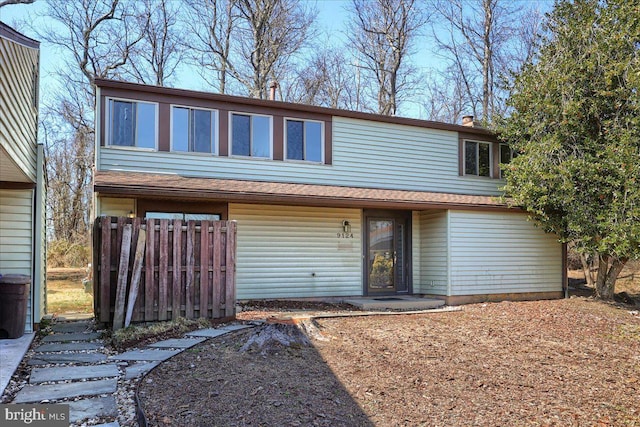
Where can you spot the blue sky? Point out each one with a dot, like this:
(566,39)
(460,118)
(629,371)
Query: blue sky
(331,23)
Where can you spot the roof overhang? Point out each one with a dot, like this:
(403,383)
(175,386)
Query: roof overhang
(171,186)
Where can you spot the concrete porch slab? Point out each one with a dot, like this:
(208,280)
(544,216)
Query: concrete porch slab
(11,353)
(395,302)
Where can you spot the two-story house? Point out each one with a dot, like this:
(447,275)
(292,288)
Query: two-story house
(328,203)
(22,184)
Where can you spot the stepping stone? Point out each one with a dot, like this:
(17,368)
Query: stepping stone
(37,393)
(68,346)
(138,369)
(207,333)
(216,332)
(49,358)
(113,424)
(150,355)
(230,328)
(63,373)
(178,343)
(92,408)
(71,327)
(76,336)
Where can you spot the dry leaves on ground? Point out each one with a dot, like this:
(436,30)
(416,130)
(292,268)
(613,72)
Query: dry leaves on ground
(568,362)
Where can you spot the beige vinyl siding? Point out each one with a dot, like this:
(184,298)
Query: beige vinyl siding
(433,253)
(502,253)
(287,252)
(40,253)
(114,206)
(365,154)
(415,252)
(16,242)
(18,116)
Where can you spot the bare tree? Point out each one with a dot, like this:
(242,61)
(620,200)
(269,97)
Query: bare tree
(4,3)
(329,79)
(270,34)
(251,42)
(210,24)
(97,41)
(382,33)
(156,57)
(482,41)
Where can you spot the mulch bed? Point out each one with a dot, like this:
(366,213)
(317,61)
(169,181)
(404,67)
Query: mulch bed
(567,362)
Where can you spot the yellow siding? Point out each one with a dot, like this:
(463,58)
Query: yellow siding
(18,121)
(286,251)
(502,253)
(16,236)
(113,206)
(433,253)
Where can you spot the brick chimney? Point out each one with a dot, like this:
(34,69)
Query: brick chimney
(468,121)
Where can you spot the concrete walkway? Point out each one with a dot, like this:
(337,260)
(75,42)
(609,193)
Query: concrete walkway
(72,366)
(11,354)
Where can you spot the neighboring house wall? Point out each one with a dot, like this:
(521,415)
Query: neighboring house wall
(19,110)
(16,244)
(286,251)
(433,253)
(22,164)
(365,154)
(495,253)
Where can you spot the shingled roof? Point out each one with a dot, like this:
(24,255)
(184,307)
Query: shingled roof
(173,186)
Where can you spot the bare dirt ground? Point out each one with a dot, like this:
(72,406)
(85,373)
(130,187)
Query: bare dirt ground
(573,362)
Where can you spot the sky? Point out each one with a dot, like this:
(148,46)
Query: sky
(331,20)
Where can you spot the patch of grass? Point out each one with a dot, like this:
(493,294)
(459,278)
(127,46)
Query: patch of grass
(135,334)
(65,292)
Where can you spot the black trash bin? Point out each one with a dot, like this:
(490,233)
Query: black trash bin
(14,294)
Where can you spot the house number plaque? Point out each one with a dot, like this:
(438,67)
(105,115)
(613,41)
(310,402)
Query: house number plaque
(344,235)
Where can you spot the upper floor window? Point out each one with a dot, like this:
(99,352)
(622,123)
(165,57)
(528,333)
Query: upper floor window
(304,140)
(193,130)
(506,154)
(477,158)
(250,135)
(131,124)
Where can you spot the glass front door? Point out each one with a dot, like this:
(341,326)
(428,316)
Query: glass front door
(386,254)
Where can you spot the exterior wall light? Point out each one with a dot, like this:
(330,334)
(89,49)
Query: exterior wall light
(346,226)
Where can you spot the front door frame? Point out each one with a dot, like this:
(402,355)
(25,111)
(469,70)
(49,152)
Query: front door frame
(396,215)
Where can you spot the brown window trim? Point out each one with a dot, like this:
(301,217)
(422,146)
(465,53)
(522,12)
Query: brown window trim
(165,100)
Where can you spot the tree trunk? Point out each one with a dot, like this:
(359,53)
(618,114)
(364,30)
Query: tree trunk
(606,280)
(586,268)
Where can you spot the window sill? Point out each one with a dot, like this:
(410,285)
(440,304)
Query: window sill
(122,147)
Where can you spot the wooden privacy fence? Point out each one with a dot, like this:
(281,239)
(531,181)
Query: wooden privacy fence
(167,268)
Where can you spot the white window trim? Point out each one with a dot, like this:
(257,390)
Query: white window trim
(464,159)
(214,130)
(230,132)
(322,140)
(500,156)
(107,124)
